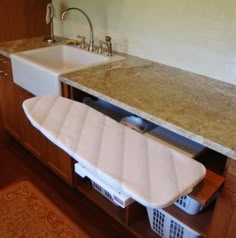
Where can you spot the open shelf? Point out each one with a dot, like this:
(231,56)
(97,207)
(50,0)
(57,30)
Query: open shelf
(143,229)
(85,187)
(199,222)
(134,217)
(207,188)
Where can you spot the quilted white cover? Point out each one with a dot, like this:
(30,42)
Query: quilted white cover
(150,172)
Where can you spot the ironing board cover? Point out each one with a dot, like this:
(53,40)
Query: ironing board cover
(151,173)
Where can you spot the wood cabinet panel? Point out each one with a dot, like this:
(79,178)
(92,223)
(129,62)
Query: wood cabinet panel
(1,120)
(232,228)
(39,145)
(8,98)
(23,19)
(230,181)
(60,162)
(224,217)
(30,137)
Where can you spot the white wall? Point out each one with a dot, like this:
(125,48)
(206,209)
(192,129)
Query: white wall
(195,35)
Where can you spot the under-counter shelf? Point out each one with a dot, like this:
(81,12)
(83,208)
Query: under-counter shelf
(207,188)
(200,222)
(85,187)
(135,218)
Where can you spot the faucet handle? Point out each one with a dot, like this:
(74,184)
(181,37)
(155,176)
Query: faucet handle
(107,38)
(100,48)
(109,45)
(82,43)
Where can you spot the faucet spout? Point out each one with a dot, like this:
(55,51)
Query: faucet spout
(91,40)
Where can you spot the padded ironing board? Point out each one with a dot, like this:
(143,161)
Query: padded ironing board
(151,173)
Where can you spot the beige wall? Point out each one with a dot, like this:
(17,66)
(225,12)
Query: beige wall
(195,35)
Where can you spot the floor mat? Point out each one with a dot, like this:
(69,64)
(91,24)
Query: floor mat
(26,212)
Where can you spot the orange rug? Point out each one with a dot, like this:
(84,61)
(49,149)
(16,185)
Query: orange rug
(27,213)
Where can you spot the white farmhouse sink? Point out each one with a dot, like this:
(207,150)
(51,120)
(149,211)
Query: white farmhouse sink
(37,70)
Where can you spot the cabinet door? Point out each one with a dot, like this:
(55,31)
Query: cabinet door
(230,181)
(8,98)
(224,217)
(31,138)
(60,162)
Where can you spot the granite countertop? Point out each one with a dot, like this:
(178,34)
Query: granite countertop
(197,107)
(10,47)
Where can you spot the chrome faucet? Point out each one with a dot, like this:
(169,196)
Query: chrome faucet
(91,40)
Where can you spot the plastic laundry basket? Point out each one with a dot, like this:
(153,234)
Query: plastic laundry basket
(107,194)
(118,198)
(167,226)
(189,205)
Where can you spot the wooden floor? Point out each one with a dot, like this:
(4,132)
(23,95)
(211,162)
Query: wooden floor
(16,163)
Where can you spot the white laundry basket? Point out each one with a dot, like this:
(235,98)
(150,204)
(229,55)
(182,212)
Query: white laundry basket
(103,191)
(189,205)
(118,198)
(167,226)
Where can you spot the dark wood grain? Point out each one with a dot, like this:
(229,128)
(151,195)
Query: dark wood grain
(224,218)
(8,98)
(23,19)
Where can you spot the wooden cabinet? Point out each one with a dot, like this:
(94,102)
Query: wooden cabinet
(17,124)
(23,19)
(30,137)
(60,162)
(1,120)
(8,98)
(224,218)
(33,140)
(230,180)
(14,119)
